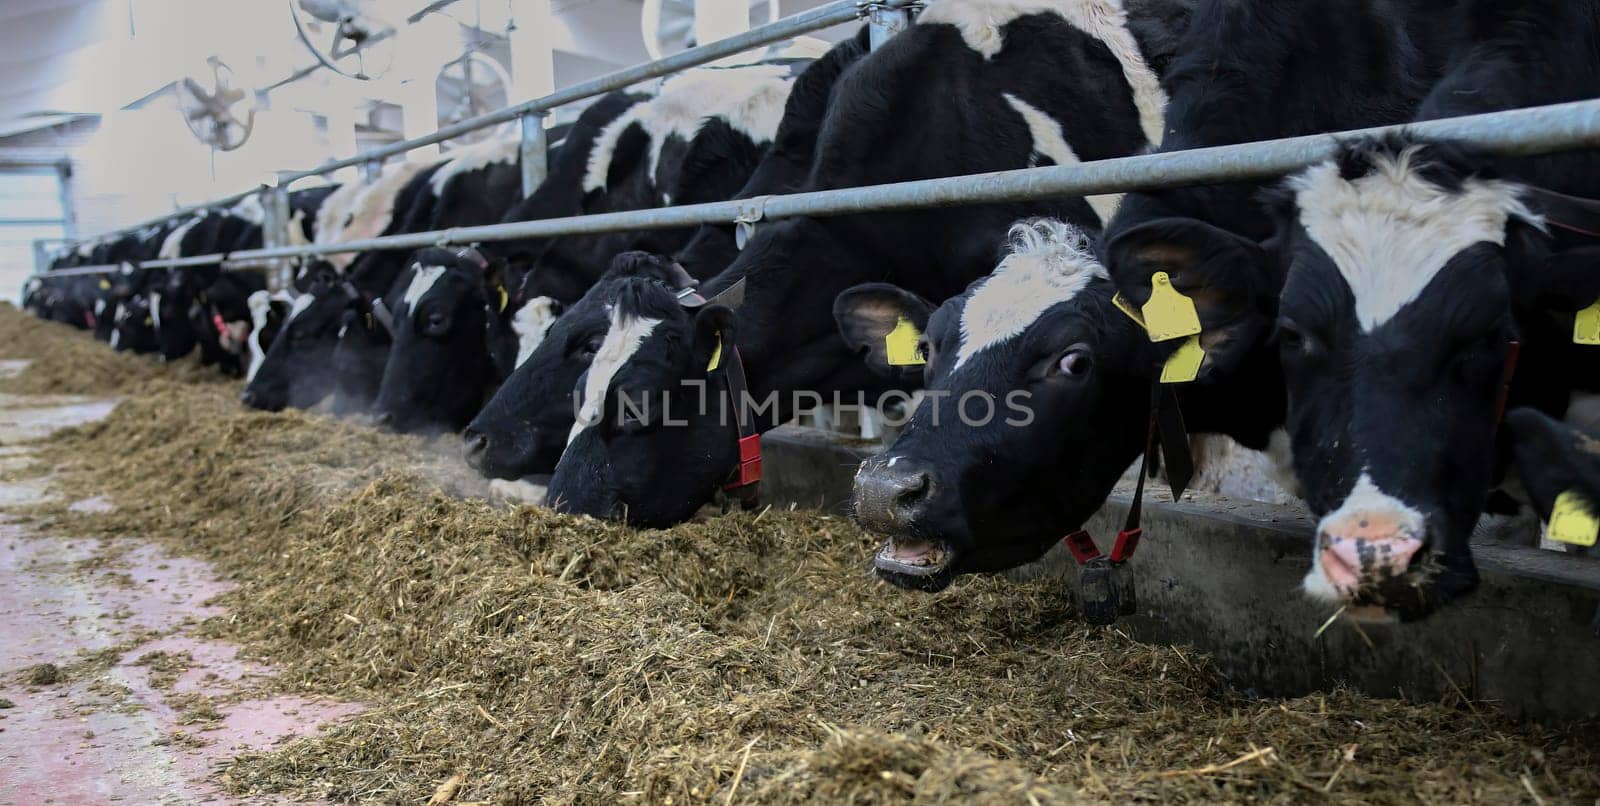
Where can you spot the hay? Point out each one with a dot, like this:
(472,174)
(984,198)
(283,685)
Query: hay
(79,365)
(507,654)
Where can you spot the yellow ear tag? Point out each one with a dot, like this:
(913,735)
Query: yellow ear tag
(716,355)
(1571,523)
(1184,365)
(1168,314)
(1126,307)
(1586,325)
(148,322)
(105,285)
(900,345)
(504,298)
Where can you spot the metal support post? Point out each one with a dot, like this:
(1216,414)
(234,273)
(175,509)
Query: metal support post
(535,152)
(275,233)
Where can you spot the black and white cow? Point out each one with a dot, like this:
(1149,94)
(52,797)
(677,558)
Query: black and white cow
(331,344)
(498,441)
(704,162)
(939,494)
(1400,276)
(972,87)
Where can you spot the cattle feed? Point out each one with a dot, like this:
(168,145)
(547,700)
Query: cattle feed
(1049,141)
(750,99)
(421,282)
(1391,231)
(531,323)
(1048,263)
(980,21)
(472,158)
(626,335)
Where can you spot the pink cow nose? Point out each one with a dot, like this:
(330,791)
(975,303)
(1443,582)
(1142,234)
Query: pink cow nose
(1366,547)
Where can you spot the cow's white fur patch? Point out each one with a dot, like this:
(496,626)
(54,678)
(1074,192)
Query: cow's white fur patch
(980,21)
(155,309)
(472,158)
(297,229)
(422,280)
(301,303)
(260,304)
(1048,263)
(172,246)
(750,99)
(373,209)
(1051,141)
(531,322)
(1390,232)
(249,208)
(331,214)
(1365,496)
(624,338)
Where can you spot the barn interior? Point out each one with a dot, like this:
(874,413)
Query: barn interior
(208,599)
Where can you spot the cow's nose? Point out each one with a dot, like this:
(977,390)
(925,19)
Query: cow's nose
(1366,547)
(384,420)
(474,445)
(891,494)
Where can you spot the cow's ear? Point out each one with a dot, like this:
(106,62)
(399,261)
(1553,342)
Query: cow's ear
(1233,282)
(714,331)
(1546,279)
(883,324)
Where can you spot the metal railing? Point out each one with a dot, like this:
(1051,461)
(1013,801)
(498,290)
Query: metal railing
(531,113)
(1535,130)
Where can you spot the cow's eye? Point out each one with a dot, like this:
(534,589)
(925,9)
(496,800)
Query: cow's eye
(1075,362)
(437,323)
(589,347)
(1294,341)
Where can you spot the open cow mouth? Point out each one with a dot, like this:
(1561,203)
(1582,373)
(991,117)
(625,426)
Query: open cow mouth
(914,564)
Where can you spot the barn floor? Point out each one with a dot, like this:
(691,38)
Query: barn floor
(120,699)
(289,608)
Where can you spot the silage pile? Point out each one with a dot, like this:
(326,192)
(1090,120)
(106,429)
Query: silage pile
(531,657)
(78,364)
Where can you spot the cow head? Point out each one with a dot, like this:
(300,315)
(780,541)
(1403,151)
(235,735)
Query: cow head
(1395,324)
(268,312)
(298,370)
(646,402)
(524,427)
(169,307)
(134,326)
(1032,409)
(440,364)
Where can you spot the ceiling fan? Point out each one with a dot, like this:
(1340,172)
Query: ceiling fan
(360,42)
(472,85)
(219,114)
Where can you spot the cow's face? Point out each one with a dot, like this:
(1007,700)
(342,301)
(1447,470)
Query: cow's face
(174,333)
(267,314)
(134,326)
(1030,412)
(648,444)
(438,364)
(523,428)
(298,370)
(1395,323)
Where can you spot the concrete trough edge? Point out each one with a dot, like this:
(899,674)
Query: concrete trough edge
(1223,576)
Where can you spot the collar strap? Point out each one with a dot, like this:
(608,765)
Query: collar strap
(746,477)
(1571,213)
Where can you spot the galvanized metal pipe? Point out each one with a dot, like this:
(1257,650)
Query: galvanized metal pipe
(81,271)
(534,151)
(885,20)
(1531,131)
(275,233)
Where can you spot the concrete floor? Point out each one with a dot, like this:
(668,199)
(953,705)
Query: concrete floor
(108,734)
